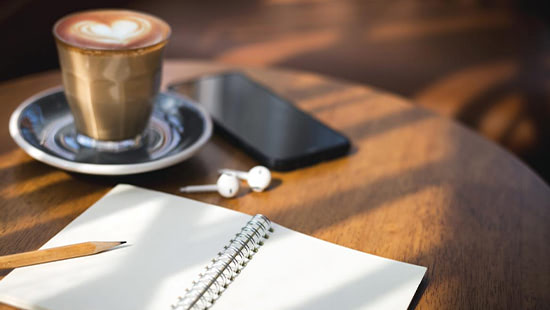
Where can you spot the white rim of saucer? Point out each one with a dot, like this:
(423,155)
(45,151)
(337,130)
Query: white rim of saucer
(104,169)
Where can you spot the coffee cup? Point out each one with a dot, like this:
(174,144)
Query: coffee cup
(111,64)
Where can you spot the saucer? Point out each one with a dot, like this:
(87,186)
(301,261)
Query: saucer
(43,126)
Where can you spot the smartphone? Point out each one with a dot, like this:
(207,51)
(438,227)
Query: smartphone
(266,126)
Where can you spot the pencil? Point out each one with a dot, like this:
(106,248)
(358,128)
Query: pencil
(55,254)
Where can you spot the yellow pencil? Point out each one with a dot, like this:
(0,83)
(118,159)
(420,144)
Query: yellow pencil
(55,254)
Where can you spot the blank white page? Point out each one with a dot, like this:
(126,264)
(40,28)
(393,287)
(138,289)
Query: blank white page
(171,239)
(296,271)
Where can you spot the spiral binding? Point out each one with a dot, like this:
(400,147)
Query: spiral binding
(226,266)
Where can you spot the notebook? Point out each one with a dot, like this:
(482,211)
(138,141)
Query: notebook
(184,253)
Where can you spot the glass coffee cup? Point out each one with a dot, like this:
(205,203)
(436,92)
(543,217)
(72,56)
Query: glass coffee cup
(111,63)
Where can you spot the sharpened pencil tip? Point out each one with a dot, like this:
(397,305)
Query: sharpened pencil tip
(122,242)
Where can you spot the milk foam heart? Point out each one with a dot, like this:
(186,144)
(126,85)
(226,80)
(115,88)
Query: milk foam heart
(120,31)
(111,29)
(111,62)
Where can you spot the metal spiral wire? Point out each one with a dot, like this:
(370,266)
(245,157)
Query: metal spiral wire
(223,269)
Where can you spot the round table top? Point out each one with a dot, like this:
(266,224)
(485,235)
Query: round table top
(416,187)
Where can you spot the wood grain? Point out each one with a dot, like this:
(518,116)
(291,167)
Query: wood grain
(416,187)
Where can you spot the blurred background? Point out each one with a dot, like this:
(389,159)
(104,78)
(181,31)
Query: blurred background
(485,63)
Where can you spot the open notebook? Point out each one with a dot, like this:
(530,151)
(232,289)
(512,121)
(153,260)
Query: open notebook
(171,241)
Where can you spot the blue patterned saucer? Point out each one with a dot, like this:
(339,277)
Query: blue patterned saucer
(43,126)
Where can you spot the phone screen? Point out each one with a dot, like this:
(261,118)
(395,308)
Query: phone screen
(267,126)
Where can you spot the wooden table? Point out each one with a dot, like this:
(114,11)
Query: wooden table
(416,187)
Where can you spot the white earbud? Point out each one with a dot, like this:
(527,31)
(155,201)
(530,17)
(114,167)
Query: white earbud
(227,186)
(258,178)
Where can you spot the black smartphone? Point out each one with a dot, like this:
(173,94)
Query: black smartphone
(267,127)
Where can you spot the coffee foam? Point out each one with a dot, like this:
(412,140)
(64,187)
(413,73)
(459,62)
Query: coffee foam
(111,30)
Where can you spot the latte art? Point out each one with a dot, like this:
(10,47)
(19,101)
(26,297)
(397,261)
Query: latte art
(119,32)
(111,29)
(111,65)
